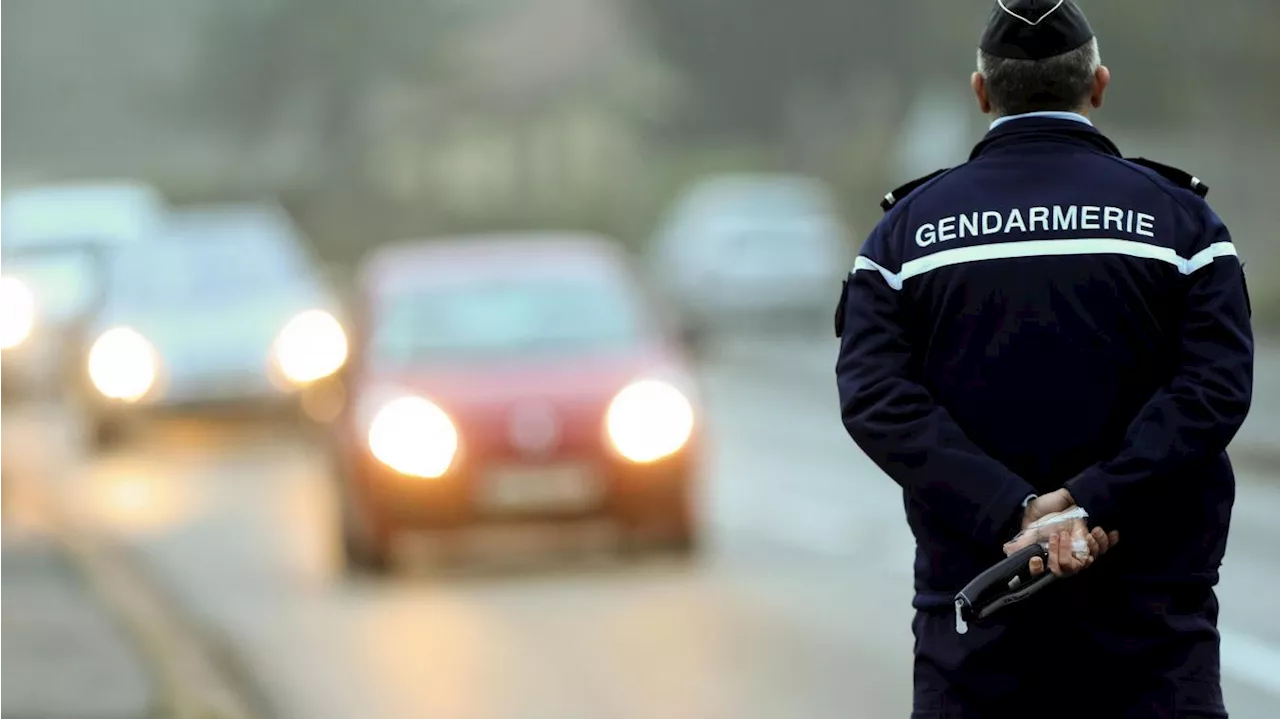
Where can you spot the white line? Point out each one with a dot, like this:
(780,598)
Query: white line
(1251,660)
(1046,248)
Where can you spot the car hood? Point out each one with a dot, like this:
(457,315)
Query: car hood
(203,336)
(583,379)
(486,403)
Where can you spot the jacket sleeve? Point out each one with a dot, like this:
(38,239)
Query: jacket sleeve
(1198,412)
(893,418)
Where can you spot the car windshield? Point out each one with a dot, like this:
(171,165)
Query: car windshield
(64,281)
(216,270)
(500,320)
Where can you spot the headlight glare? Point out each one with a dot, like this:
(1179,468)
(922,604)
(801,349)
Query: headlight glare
(17,312)
(649,420)
(414,437)
(123,364)
(311,346)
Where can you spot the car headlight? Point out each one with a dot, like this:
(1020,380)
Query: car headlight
(123,365)
(17,312)
(311,346)
(649,420)
(414,437)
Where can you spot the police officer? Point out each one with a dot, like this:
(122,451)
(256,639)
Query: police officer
(1052,325)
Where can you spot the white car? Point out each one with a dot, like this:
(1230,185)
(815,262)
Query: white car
(57,241)
(227,310)
(757,251)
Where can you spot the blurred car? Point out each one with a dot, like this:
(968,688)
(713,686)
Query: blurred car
(513,378)
(226,310)
(765,251)
(56,242)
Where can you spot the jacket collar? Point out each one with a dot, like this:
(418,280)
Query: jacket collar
(1033,129)
(1043,113)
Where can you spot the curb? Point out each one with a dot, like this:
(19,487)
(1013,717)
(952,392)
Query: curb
(197,676)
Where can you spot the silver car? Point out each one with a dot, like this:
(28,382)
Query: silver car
(755,251)
(227,310)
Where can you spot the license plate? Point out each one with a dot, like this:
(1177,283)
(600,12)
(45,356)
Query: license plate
(560,487)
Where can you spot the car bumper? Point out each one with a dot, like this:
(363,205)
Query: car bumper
(656,493)
(228,396)
(194,401)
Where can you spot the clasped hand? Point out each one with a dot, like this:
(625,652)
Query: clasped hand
(1063,561)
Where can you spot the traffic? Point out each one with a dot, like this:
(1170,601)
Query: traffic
(620,358)
(539,376)
(494,475)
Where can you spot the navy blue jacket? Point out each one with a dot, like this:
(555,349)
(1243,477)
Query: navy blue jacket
(1050,314)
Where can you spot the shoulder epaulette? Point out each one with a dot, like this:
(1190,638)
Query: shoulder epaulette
(896,196)
(1178,177)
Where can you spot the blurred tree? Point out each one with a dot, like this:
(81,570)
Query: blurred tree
(745,61)
(331,57)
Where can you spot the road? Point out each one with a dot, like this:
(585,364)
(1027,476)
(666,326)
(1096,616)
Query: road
(63,653)
(799,609)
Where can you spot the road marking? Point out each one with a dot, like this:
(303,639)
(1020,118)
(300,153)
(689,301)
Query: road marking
(1251,660)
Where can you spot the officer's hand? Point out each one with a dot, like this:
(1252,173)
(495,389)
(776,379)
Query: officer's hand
(1077,527)
(1063,562)
(1052,503)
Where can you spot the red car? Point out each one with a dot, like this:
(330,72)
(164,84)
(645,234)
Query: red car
(513,378)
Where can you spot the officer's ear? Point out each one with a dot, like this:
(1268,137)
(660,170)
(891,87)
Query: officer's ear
(1101,81)
(979,85)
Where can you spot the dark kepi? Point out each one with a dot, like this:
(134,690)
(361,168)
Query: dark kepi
(1034,29)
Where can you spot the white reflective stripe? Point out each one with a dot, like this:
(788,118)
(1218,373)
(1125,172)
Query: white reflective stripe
(1048,248)
(1205,257)
(893,280)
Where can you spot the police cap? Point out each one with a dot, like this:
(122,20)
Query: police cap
(1034,29)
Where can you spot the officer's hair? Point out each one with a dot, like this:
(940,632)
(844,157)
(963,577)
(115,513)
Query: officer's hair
(1060,83)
